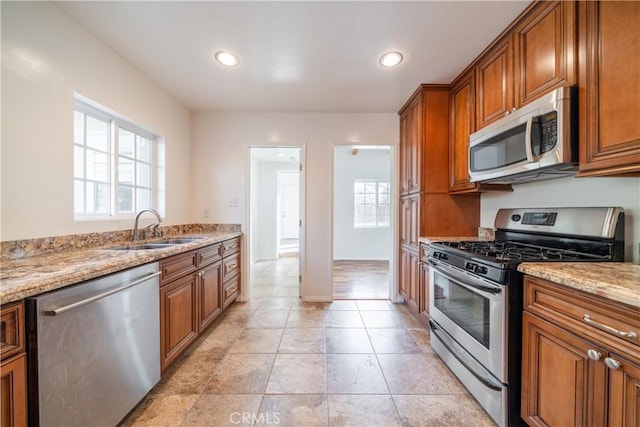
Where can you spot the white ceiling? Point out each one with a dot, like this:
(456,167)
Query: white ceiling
(296,56)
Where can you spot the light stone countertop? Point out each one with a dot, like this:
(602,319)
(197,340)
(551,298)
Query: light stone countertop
(617,281)
(26,277)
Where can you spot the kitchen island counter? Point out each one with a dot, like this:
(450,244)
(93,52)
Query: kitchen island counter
(617,281)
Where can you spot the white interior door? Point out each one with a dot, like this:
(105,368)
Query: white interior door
(289,201)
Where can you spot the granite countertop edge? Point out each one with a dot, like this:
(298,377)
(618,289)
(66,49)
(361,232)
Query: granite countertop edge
(27,277)
(616,281)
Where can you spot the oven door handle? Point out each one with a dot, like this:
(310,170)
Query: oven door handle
(466,280)
(486,381)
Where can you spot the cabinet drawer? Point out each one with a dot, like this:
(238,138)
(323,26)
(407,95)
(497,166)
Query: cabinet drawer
(209,254)
(584,314)
(11,330)
(230,267)
(230,291)
(178,266)
(230,247)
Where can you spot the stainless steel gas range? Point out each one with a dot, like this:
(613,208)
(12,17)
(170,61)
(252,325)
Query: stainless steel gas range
(475,293)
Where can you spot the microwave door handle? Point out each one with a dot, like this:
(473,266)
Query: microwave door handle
(527,140)
(531,122)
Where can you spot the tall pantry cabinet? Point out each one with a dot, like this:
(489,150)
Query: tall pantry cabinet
(426,208)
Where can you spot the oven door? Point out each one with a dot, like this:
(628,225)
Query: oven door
(472,310)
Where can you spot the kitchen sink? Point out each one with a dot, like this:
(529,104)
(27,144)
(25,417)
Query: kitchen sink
(142,246)
(178,241)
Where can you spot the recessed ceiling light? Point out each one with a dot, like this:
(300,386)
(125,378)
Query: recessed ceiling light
(227,59)
(391,59)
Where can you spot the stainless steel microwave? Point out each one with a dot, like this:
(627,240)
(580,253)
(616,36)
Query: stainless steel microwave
(536,142)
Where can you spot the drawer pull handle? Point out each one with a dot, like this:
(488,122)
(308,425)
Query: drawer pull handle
(612,363)
(606,328)
(593,354)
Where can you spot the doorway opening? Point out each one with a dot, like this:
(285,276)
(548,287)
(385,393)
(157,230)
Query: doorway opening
(274,222)
(362,222)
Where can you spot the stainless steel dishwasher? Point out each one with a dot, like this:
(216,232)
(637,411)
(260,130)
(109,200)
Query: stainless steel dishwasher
(93,349)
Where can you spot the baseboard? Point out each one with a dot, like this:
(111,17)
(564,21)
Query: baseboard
(317,299)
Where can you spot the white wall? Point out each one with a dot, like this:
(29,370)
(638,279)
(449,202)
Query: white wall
(221,160)
(46,56)
(266,228)
(573,192)
(350,243)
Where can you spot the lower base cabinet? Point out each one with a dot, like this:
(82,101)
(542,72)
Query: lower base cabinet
(198,286)
(209,291)
(13,392)
(178,318)
(577,372)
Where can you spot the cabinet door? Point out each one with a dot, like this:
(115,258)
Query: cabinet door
(178,317)
(209,280)
(610,101)
(13,392)
(462,125)
(545,48)
(494,84)
(415,127)
(561,385)
(403,273)
(423,303)
(414,281)
(404,142)
(404,221)
(624,392)
(414,221)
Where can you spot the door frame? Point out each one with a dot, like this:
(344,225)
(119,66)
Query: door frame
(246,291)
(394,295)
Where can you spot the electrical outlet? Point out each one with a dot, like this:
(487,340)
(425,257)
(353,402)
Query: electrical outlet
(233,203)
(205,213)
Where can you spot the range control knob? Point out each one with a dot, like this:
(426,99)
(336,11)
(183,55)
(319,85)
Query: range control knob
(470,266)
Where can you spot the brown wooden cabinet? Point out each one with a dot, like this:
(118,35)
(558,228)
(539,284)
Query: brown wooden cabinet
(178,317)
(462,125)
(194,289)
(494,84)
(423,305)
(410,137)
(609,58)
(13,381)
(428,209)
(545,46)
(576,371)
(209,294)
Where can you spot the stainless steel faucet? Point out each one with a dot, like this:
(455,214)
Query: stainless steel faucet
(155,226)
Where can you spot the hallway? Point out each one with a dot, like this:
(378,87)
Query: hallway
(358,363)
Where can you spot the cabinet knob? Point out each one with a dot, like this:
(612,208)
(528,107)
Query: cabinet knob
(506,113)
(612,363)
(513,109)
(594,354)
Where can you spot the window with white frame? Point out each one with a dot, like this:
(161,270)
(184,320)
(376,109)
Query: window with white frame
(115,166)
(371,205)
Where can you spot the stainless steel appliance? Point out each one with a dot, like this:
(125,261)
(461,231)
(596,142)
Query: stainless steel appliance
(475,293)
(93,349)
(536,142)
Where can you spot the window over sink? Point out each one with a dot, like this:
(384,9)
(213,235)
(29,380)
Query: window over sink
(117,164)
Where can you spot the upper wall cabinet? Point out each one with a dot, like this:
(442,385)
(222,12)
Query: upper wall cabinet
(609,95)
(494,84)
(545,50)
(462,125)
(410,146)
(535,56)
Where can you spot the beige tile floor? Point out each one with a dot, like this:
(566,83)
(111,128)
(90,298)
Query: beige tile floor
(281,362)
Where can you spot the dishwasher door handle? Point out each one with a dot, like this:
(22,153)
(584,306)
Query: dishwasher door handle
(64,309)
